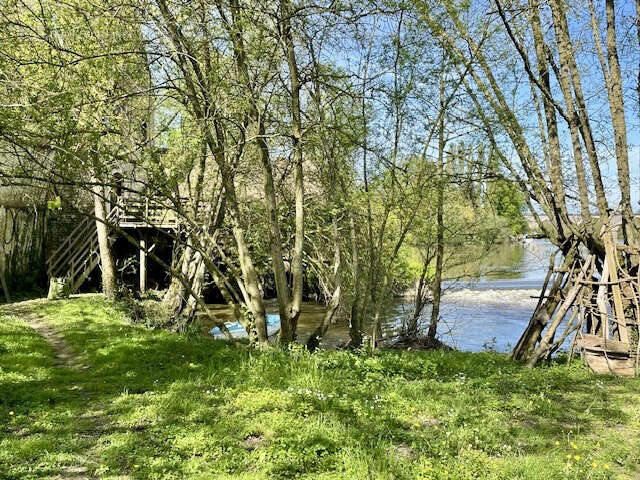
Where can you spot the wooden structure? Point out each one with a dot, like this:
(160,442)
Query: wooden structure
(132,211)
(606,356)
(609,343)
(78,254)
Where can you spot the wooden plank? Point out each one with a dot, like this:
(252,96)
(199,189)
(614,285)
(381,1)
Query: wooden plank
(610,257)
(67,247)
(601,365)
(74,235)
(597,343)
(143,264)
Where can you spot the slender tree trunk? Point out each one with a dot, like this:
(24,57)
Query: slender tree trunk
(297,271)
(437,277)
(545,308)
(355,320)
(550,114)
(420,300)
(258,328)
(288,317)
(275,242)
(616,106)
(567,59)
(555,174)
(107,264)
(638,67)
(199,101)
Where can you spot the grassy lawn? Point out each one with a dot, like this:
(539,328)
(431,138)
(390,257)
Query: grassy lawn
(152,404)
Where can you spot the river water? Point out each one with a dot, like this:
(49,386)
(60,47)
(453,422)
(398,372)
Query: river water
(489,311)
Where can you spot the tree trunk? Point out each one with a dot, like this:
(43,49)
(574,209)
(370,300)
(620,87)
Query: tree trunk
(258,330)
(545,308)
(420,301)
(334,303)
(569,66)
(296,134)
(437,278)
(200,102)
(616,107)
(355,320)
(107,264)
(177,300)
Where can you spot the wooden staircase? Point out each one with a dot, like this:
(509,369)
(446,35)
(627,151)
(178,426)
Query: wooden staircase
(78,255)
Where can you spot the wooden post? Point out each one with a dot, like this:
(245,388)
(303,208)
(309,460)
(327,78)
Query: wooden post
(143,263)
(610,258)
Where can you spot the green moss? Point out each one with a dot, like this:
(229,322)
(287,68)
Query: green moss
(159,405)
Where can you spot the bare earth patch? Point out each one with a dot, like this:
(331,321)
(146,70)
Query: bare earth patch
(64,356)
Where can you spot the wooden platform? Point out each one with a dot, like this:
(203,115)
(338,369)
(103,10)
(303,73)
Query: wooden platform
(607,357)
(137,212)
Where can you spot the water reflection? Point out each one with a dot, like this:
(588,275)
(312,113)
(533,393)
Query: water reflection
(488,310)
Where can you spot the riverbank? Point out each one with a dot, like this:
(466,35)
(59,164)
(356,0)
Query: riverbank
(88,395)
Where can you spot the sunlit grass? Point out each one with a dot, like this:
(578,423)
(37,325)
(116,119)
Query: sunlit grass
(159,405)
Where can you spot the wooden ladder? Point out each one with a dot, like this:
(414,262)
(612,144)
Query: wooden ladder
(79,254)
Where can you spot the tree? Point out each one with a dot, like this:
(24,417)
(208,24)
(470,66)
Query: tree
(545,186)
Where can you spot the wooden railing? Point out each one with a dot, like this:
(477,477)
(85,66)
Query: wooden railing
(78,255)
(133,211)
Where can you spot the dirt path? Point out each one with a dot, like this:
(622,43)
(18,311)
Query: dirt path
(64,356)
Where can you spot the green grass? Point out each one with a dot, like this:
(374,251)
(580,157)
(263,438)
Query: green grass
(159,405)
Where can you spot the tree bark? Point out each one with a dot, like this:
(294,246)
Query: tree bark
(566,53)
(200,103)
(437,278)
(296,134)
(355,319)
(544,311)
(177,300)
(107,264)
(616,107)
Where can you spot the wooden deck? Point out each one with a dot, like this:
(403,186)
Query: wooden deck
(133,212)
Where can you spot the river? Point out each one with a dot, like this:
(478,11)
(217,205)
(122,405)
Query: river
(489,311)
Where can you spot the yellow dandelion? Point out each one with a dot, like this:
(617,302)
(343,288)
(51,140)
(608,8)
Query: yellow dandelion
(576,458)
(594,464)
(606,466)
(11,413)
(556,443)
(574,446)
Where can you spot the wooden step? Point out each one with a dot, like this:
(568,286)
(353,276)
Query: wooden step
(595,343)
